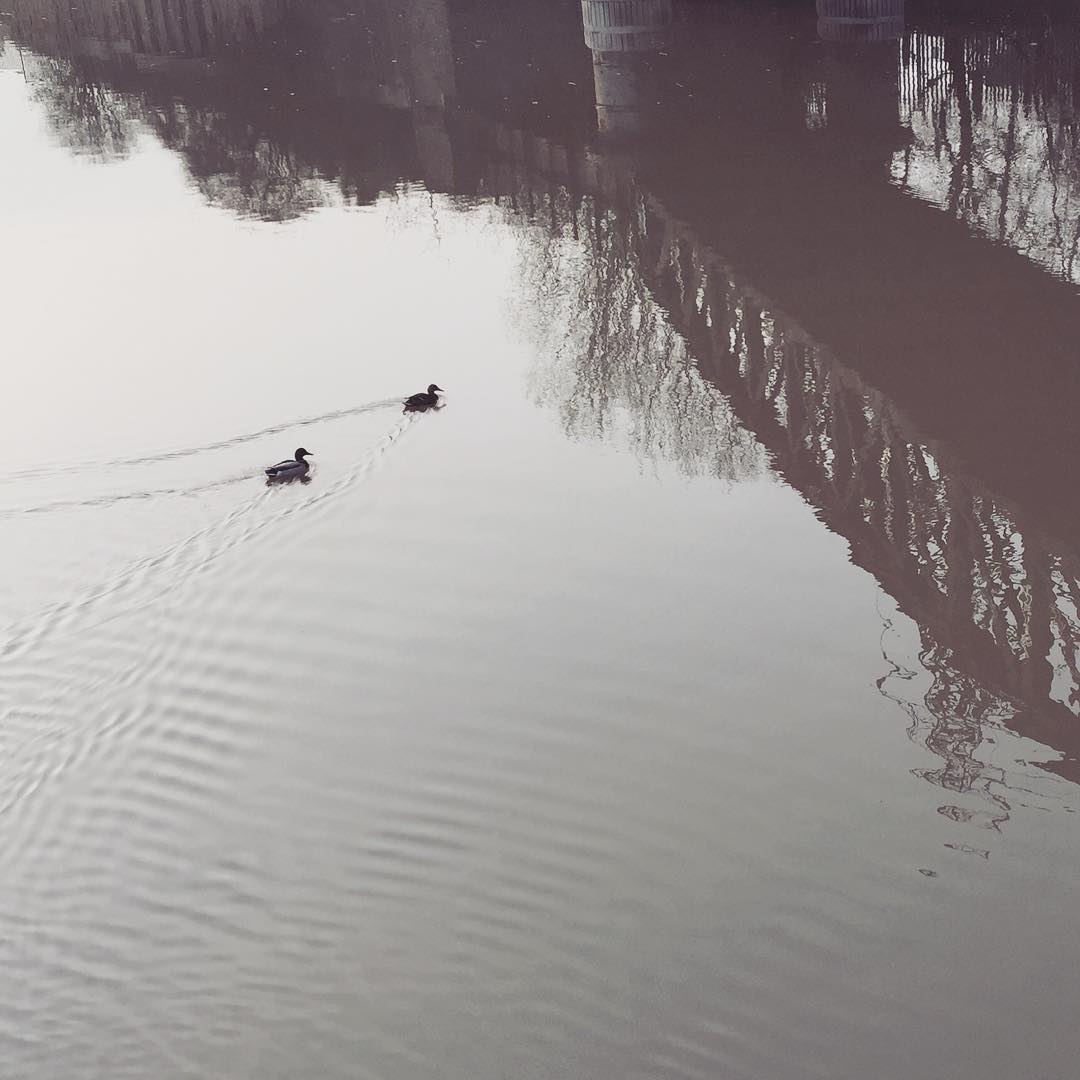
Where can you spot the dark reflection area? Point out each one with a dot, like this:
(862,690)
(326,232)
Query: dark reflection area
(996,604)
(718,200)
(250,94)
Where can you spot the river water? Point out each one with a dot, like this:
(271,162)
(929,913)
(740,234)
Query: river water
(695,694)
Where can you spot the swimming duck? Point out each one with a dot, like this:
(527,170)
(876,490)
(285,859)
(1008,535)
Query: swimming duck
(425,401)
(291,468)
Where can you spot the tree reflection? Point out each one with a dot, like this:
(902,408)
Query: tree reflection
(665,335)
(85,114)
(104,71)
(954,717)
(996,138)
(242,171)
(623,372)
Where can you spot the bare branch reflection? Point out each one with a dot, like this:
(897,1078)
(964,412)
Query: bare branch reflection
(86,115)
(623,372)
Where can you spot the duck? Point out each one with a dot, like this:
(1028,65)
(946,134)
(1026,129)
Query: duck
(291,468)
(425,401)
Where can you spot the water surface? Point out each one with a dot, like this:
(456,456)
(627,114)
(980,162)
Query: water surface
(694,695)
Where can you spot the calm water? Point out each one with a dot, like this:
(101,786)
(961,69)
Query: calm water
(695,695)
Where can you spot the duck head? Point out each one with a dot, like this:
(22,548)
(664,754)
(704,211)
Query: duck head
(432,389)
(302,453)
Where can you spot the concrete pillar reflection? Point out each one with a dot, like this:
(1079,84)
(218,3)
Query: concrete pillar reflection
(432,86)
(434,149)
(860,20)
(855,97)
(430,52)
(621,34)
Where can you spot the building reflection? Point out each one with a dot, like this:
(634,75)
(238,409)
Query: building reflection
(621,36)
(779,289)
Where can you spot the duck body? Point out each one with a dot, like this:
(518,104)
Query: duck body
(291,468)
(424,400)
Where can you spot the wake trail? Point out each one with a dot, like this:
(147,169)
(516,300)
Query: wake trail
(38,472)
(187,557)
(125,496)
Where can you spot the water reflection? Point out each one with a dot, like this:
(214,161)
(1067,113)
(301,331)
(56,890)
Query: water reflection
(274,133)
(853,96)
(747,292)
(89,116)
(994,132)
(624,372)
(992,597)
(860,20)
(142,33)
(621,36)
(997,602)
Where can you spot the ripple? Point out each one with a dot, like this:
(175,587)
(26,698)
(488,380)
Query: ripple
(186,557)
(67,469)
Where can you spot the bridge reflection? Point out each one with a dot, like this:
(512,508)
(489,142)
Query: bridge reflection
(618,34)
(996,602)
(817,344)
